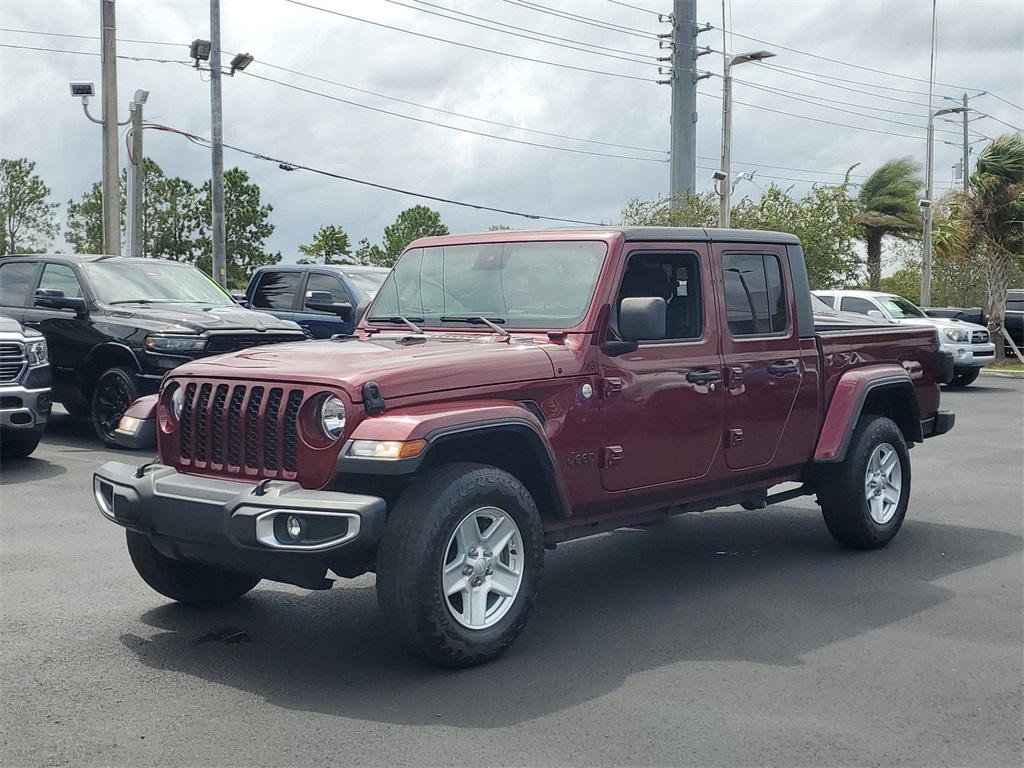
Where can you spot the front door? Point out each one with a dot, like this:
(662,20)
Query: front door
(662,405)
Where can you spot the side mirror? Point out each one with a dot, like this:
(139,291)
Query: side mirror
(876,313)
(240,299)
(642,318)
(51,298)
(322,301)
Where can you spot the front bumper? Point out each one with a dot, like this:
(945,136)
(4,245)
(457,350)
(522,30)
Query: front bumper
(24,409)
(940,424)
(971,355)
(243,526)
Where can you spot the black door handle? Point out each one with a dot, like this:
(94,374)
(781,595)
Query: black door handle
(703,377)
(782,367)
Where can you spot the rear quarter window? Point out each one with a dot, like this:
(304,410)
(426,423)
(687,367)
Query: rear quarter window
(276,290)
(16,280)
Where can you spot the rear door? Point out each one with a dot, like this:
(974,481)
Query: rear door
(277,292)
(662,405)
(765,360)
(17,285)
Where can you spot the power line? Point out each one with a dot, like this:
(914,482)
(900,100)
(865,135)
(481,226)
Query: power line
(607,25)
(1000,98)
(817,79)
(287,165)
(531,34)
(467,45)
(634,7)
(92,53)
(453,128)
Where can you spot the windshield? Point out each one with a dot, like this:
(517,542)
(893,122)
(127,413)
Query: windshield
(518,285)
(899,307)
(367,283)
(151,282)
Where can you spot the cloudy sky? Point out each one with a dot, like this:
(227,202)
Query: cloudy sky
(544,107)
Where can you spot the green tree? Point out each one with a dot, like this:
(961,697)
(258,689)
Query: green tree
(412,223)
(994,217)
(889,206)
(246,228)
(85,222)
(172,218)
(330,245)
(29,218)
(685,210)
(825,221)
(371,255)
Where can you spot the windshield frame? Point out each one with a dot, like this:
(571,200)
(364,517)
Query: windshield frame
(186,275)
(889,301)
(492,256)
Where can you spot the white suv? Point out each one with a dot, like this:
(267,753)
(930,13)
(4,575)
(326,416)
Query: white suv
(968,343)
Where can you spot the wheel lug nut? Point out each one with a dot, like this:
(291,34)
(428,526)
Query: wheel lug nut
(477,582)
(473,552)
(489,572)
(467,571)
(488,553)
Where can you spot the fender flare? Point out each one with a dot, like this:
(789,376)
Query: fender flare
(847,404)
(438,425)
(100,349)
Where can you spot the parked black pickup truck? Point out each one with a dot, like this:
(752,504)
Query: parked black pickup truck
(115,326)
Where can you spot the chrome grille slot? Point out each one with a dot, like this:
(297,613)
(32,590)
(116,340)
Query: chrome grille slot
(12,361)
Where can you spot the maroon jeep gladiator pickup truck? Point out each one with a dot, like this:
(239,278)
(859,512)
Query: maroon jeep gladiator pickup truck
(512,390)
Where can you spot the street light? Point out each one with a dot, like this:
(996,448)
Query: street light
(724,182)
(927,207)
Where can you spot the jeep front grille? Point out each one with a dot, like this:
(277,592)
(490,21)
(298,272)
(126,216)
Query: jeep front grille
(238,429)
(12,361)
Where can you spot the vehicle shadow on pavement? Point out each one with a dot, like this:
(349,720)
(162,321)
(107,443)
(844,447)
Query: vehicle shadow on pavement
(763,587)
(16,471)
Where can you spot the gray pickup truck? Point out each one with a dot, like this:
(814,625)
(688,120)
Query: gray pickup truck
(24,389)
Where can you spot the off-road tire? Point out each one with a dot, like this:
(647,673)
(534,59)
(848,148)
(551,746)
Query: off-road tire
(20,444)
(843,488)
(115,390)
(417,539)
(963,377)
(185,581)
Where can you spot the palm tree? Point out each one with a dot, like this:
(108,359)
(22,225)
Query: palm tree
(994,215)
(888,206)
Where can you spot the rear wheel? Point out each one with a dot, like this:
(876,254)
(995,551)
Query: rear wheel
(864,499)
(962,377)
(460,564)
(185,581)
(115,390)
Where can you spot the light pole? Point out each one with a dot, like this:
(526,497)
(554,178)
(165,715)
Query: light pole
(725,181)
(135,175)
(209,50)
(926,206)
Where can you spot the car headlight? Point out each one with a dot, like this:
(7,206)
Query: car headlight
(37,354)
(172,344)
(956,334)
(332,417)
(178,402)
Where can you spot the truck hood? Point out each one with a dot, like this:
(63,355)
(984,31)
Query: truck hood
(196,318)
(941,322)
(7,325)
(400,365)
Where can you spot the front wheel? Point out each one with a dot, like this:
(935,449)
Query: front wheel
(20,444)
(963,377)
(115,390)
(460,564)
(864,498)
(182,580)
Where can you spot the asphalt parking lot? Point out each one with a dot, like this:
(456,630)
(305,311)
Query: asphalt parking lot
(721,638)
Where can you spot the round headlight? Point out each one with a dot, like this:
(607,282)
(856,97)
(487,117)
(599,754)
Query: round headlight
(178,402)
(332,417)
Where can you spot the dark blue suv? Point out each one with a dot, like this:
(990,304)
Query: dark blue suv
(321,298)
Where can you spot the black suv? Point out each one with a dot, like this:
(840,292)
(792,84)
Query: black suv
(115,326)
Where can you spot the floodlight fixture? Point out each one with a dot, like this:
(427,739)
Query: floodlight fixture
(200,50)
(240,62)
(141,95)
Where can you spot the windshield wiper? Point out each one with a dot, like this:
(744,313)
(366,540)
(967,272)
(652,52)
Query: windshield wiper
(400,319)
(132,301)
(490,322)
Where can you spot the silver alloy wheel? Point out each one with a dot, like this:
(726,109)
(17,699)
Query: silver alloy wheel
(883,483)
(482,568)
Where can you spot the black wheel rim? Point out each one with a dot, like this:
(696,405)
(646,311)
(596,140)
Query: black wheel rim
(112,400)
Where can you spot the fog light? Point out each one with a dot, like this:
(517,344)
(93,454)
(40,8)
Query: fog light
(961,353)
(293,527)
(129,424)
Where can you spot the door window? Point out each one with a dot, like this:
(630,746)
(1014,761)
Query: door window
(329,284)
(16,283)
(674,277)
(276,290)
(755,299)
(60,277)
(858,305)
